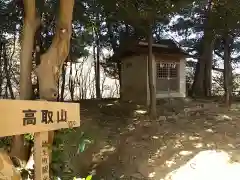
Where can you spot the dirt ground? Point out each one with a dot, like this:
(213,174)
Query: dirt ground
(127,145)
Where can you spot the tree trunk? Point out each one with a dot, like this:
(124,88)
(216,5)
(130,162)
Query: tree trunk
(227,70)
(97,63)
(38,52)
(97,67)
(1,70)
(152,90)
(7,73)
(63,83)
(8,171)
(119,70)
(71,85)
(198,88)
(203,79)
(31,23)
(208,65)
(202,85)
(52,61)
(6,92)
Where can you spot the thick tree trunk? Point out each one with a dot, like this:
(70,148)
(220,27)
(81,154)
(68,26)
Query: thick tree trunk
(8,171)
(38,52)
(227,70)
(202,85)
(152,90)
(203,79)
(31,23)
(208,64)
(52,61)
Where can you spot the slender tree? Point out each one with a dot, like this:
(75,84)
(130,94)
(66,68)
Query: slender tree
(152,88)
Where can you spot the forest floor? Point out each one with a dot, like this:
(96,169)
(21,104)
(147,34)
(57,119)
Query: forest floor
(127,145)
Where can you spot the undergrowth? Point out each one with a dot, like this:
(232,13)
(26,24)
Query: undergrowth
(58,149)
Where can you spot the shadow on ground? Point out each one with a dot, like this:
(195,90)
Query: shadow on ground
(129,146)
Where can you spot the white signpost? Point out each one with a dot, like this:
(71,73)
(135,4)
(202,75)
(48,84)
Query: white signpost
(39,117)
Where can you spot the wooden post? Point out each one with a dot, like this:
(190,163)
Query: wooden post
(41,156)
(39,117)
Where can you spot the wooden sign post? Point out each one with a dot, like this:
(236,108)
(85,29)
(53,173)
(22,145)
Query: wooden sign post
(39,117)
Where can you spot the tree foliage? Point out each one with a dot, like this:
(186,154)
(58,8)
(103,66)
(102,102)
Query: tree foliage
(209,30)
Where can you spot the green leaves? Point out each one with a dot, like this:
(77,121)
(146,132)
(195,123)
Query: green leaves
(29,137)
(89,177)
(83,142)
(82,145)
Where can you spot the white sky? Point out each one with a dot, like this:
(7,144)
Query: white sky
(87,77)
